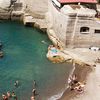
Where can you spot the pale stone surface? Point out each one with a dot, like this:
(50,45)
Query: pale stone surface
(4,3)
(37,7)
(84,55)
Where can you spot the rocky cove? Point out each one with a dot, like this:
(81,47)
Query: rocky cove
(34,13)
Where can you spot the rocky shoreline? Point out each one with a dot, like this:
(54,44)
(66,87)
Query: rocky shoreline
(82,73)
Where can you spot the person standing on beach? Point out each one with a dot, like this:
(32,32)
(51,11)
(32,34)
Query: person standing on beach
(74,79)
(32,98)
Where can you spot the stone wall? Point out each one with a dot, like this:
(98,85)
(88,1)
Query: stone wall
(67,28)
(58,23)
(89,39)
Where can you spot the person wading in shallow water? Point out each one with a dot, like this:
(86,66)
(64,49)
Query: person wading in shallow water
(33,91)
(34,83)
(14,96)
(4,97)
(8,94)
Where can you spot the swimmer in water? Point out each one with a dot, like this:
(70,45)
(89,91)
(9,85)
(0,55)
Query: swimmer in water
(44,42)
(4,97)
(16,84)
(8,94)
(14,96)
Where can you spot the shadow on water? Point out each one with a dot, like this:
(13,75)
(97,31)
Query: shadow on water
(25,60)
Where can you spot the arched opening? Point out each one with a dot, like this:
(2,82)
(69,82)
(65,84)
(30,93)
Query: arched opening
(84,30)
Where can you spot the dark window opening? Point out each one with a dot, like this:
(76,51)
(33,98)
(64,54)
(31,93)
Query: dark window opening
(97,31)
(84,30)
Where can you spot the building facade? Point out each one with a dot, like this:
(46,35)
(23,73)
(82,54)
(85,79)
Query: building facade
(74,23)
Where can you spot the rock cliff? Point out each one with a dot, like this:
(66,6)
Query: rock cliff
(37,7)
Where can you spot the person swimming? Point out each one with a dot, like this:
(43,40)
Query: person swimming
(8,94)
(44,42)
(14,96)
(4,97)
(16,84)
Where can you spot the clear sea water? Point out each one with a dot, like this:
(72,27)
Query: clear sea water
(25,60)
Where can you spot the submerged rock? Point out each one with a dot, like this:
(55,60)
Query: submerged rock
(1,54)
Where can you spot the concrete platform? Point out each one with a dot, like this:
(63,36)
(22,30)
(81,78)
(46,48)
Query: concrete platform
(83,55)
(28,19)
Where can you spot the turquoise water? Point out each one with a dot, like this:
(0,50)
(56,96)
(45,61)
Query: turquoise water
(25,60)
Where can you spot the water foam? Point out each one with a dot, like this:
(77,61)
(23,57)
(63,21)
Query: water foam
(57,96)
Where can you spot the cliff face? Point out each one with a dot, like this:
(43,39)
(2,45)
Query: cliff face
(37,7)
(4,3)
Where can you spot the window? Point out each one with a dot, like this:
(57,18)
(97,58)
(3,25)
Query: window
(97,31)
(84,30)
